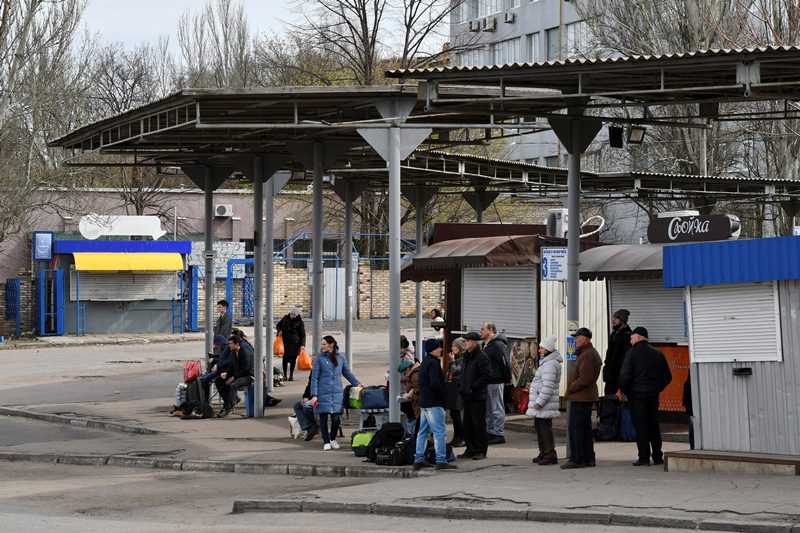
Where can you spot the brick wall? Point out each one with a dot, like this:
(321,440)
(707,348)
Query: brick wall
(27,299)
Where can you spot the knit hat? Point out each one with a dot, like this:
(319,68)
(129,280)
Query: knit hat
(294,311)
(432,344)
(584,332)
(404,365)
(640,331)
(623,315)
(548,344)
(461,344)
(472,336)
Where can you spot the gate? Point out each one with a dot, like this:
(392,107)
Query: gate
(50,302)
(13,303)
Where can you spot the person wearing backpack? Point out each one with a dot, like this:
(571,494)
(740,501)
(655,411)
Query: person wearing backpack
(543,403)
(495,347)
(327,392)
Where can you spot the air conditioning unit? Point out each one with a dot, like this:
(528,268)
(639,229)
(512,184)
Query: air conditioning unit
(510,17)
(475,25)
(223,210)
(489,24)
(557,223)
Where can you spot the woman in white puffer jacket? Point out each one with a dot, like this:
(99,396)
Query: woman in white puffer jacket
(544,402)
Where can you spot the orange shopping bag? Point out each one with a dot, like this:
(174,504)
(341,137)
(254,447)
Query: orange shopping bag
(277,346)
(303,360)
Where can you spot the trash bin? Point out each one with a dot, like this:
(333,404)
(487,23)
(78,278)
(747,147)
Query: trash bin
(249,401)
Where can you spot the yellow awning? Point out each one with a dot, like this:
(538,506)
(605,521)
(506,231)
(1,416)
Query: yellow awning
(127,262)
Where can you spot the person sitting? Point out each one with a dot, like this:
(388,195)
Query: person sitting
(238,375)
(269,400)
(219,360)
(304,411)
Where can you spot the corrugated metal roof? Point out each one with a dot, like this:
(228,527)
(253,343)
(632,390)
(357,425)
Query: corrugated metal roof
(621,260)
(718,263)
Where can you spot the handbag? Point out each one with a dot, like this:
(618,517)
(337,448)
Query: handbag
(277,346)
(191,371)
(521,398)
(303,360)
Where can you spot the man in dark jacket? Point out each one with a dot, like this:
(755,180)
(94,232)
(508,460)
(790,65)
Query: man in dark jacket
(495,348)
(431,404)
(645,373)
(475,375)
(619,341)
(582,394)
(238,375)
(224,323)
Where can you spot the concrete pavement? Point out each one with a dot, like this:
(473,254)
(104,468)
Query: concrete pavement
(506,486)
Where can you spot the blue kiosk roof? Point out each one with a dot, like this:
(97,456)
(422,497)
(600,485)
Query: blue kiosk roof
(175,247)
(727,262)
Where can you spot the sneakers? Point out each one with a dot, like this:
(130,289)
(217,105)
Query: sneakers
(311,433)
(301,435)
(223,413)
(335,445)
(445,466)
(496,439)
(326,447)
(569,465)
(423,464)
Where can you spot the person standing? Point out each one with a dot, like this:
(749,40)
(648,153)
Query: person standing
(495,347)
(293,332)
(327,391)
(431,403)
(645,373)
(619,342)
(475,375)
(224,323)
(543,403)
(452,400)
(582,393)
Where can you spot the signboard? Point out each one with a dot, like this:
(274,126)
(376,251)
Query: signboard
(43,245)
(796,231)
(571,348)
(554,263)
(93,226)
(693,228)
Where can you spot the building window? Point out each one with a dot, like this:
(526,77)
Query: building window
(513,3)
(506,52)
(551,161)
(551,36)
(578,40)
(534,54)
(490,7)
(470,58)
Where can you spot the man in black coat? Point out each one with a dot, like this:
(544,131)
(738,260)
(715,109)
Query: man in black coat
(475,375)
(238,375)
(619,342)
(224,323)
(645,373)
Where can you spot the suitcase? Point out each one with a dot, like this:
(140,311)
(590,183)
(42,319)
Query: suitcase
(359,442)
(627,433)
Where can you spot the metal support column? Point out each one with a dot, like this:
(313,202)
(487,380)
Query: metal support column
(574,225)
(258,285)
(316,248)
(208,191)
(394,267)
(269,239)
(348,277)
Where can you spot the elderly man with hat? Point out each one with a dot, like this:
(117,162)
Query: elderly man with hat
(645,373)
(431,403)
(582,393)
(619,342)
(475,376)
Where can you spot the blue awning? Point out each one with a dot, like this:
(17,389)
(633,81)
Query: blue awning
(727,262)
(169,247)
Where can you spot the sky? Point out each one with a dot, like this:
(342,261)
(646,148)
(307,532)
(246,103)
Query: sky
(145,20)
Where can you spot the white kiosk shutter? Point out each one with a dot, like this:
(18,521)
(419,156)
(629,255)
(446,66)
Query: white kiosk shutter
(658,309)
(735,323)
(503,295)
(124,286)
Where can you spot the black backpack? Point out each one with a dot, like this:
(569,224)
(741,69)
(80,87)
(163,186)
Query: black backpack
(608,418)
(388,435)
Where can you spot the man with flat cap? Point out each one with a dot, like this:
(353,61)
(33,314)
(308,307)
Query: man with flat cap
(582,393)
(619,342)
(645,373)
(475,375)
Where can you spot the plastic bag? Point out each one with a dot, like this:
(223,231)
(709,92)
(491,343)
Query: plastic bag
(303,360)
(277,346)
(191,371)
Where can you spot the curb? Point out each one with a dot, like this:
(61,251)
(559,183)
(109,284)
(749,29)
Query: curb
(560,516)
(79,422)
(198,465)
(121,341)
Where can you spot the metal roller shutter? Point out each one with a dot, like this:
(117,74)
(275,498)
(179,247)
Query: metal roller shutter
(503,295)
(125,286)
(658,309)
(735,323)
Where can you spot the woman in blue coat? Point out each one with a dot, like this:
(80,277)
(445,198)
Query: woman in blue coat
(326,389)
